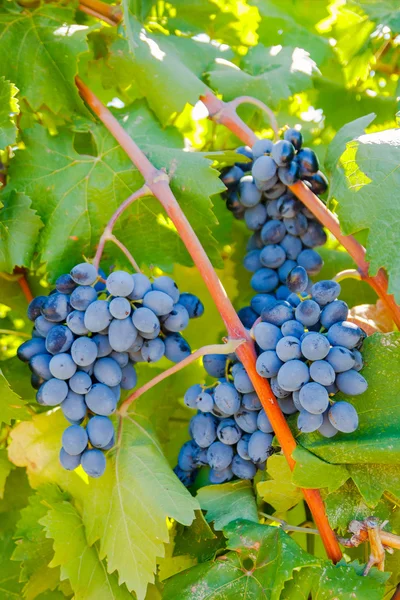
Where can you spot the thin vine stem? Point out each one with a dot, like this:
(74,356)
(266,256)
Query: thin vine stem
(250,100)
(287,527)
(347,274)
(18,333)
(108,13)
(158,183)
(125,251)
(26,290)
(230,346)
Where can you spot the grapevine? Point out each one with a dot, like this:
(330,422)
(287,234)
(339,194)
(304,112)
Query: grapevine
(199,339)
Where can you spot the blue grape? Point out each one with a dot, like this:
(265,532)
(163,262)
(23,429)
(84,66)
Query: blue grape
(83,297)
(264,280)
(74,407)
(215,364)
(148,336)
(177,320)
(287,405)
(252,261)
(186,477)
(292,328)
(261,147)
(186,457)
(136,346)
(107,371)
(247,316)
(219,456)
(277,390)
(84,274)
(56,308)
(31,348)
(282,292)
(65,284)
(359,363)
(242,382)
(284,270)
(122,358)
(332,389)
(288,348)
(251,401)
(228,432)
(101,400)
(120,308)
(343,416)
(260,446)
(34,307)
(308,312)
(74,440)
(314,236)
(294,300)
(59,339)
(52,392)
(220,476)
(310,261)
(247,420)
(69,462)
(103,345)
(279,313)
(141,285)
(205,402)
(93,462)
(325,292)
(227,398)
(191,395)
(159,302)
(193,305)
(287,206)
(351,383)
(297,225)
(333,313)
(292,246)
(283,152)
(100,431)
(243,469)
(168,286)
(43,326)
(242,447)
(327,430)
(308,161)
(121,334)
(84,351)
(296,400)
(263,422)
(345,334)
(255,217)
(314,398)
(308,422)
(268,364)
(319,183)
(80,383)
(76,322)
(273,192)
(97,316)
(297,280)
(273,232)
(263,168)
(249,194)
(293,375)
(322,372)
(315,346)
(62,366)
(110,444)
(272,256)
(294,137)
(145,320)
(120,283)
(341,359)
(129,377)
(289,175)
(153,350)
(203,430)
(39,365)
(260,302)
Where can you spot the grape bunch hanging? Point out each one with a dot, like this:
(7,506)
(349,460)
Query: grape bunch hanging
(88,336)
(306,348)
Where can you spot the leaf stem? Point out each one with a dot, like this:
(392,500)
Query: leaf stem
(26,290)
(11,332)
(106,12)
(125,250)
(287,527)
(158,182)
(230,346)
(347,274)
(250,100)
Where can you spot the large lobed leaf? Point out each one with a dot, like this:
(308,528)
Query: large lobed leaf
(8,109)
(228,502)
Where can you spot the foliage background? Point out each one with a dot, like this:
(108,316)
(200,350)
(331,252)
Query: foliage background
(331,67)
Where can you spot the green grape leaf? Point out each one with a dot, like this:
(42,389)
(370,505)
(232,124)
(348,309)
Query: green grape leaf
(128,520)
(155,59)
(382,11)
(9,108)
(197,541)
(47,47)
(279,490)
(312,472)
(5,469)
(227,502)
(363,182)
(268,74)
(261,560)
(19,229)
(346,134)
(75,195)
(377,438)
(11,405)
(10,586)
(78,561)
(373,480)
(33,549)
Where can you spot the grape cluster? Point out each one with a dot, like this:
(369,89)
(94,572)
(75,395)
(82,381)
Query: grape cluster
(309,351)
(281,252)
(87,338)
(231,432)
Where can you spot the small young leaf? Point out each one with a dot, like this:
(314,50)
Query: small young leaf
(228,502)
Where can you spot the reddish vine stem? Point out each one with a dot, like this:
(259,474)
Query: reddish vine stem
(158,183)
(109,13)
(230,346)
(24,285)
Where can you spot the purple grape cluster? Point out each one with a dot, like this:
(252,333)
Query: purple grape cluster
(87,338)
